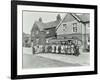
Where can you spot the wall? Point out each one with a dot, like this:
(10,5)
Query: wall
(68,32)
(69,28)
(87,28)
(51,33)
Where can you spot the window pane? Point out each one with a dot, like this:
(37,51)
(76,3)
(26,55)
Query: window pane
(74,27)
(47,32)
(74,24)
(64,24)
(64,27)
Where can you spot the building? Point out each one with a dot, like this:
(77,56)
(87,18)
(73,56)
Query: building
(76,27)
(26,40)
(42,32)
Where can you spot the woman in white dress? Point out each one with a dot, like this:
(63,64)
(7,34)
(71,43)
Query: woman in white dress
(72,48)
(62,49)
(57,48)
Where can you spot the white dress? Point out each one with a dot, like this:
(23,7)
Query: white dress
(57,48)
(53,48)
(62,49)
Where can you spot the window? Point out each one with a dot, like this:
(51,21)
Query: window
(74,27)
(88,39)
(64,27)
(37,41)
(37,32)
(47,40)
(47,32)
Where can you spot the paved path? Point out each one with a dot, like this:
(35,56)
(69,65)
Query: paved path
(52,60)
(82,59)
(34,61)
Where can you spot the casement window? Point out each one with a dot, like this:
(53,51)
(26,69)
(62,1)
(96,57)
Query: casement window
(88,39)
(64,27)
(47,32)
(74,27)
(47,40)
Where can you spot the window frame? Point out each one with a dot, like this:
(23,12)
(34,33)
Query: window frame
(74,27)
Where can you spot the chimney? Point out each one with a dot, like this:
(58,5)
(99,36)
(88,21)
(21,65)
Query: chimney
(40,19)
(58,17)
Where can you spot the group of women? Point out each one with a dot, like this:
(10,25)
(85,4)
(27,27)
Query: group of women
(69,49)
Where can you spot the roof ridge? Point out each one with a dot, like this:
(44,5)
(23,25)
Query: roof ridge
(75,16)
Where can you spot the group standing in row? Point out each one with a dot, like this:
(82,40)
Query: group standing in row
(69,48)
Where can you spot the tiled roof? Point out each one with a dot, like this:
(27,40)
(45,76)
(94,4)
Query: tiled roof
(51,24)
(72,16)
(40,25)
(43,26)
(84,17)
(68,17)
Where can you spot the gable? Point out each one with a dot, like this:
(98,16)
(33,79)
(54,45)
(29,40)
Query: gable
(84,17)
(68,18)
(68,29)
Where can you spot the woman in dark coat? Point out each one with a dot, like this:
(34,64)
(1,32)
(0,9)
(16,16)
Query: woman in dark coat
(59,49)
(76,50)
(49,48)
(43,49)
(33,50)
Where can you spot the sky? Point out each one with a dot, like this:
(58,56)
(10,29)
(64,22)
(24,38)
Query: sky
(29,17)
